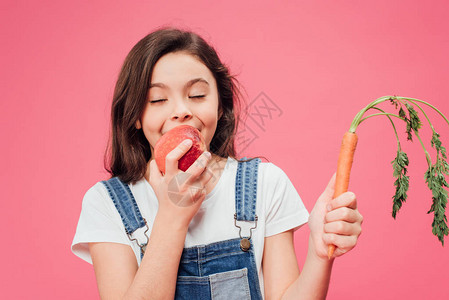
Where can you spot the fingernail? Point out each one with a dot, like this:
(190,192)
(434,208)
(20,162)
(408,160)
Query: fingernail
(207,153)
(329,207)
(187,142)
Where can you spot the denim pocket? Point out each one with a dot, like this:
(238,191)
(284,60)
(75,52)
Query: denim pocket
(230,285)
(192,287)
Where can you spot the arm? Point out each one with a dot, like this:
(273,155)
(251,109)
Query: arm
(118,276)
(313,282)
(282,278)
(279,271)
(336,222)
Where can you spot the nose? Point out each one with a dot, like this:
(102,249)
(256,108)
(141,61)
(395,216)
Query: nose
(181,111)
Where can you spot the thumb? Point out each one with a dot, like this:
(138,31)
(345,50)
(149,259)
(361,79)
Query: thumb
(328,193)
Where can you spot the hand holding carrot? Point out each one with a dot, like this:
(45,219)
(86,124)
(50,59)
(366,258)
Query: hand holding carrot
(334,222)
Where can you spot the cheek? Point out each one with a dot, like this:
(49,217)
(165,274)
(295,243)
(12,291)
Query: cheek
(151,118)
(151,125)
(210,111)
(210,119)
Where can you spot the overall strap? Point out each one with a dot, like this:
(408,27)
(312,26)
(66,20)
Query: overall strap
(246,190)
(126,205)
(246,198)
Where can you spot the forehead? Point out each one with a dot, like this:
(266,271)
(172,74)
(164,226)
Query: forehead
(179,67)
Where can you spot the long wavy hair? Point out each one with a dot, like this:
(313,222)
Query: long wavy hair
(128,151)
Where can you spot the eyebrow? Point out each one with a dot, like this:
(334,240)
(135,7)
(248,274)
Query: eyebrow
(187,85)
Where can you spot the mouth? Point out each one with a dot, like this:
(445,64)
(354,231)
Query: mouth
(180,125)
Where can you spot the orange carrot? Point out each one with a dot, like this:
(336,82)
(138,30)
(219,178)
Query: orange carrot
(434,176)
(344,165)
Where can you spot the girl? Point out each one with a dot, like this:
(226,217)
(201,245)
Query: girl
(233,237)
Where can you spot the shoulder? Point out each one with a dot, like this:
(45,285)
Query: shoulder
(99,194)
(99,221)
(97,202)
(267,168)
(272,175)
(97,198)
(271,169)
(95,194)
(269,174)
(99,212)
(283,206)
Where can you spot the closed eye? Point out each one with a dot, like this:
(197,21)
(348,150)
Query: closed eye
(160,100)
(194,97)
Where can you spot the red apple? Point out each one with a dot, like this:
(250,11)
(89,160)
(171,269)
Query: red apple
(171,139)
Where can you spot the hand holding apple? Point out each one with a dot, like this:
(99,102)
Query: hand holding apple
(171,139)
(180,194)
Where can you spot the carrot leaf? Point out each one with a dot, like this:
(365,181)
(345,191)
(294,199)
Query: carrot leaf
(400,164)
(435,176)
(412,120)
(415,122)
(402,113)
(436,143)
(436,182)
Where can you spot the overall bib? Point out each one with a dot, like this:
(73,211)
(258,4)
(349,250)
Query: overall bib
(221,270)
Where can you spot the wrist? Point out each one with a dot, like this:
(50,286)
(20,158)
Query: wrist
(317,256)
(170,222)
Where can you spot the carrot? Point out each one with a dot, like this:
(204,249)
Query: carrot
(344,165)
(435,174)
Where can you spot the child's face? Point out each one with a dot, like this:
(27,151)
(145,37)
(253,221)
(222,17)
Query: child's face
(189,95)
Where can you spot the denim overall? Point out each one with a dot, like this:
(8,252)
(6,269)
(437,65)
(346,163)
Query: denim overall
(221,270)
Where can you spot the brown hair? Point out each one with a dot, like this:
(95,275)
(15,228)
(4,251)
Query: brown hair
(128,153)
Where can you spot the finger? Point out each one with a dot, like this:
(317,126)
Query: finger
(171,160)
(199,165)
(200,180)
(197,193)
(197,175)
(197,169)
(206,176)
(155,173)
(347,199)
(343,214)
(343,242)
(199,197)
(343,228)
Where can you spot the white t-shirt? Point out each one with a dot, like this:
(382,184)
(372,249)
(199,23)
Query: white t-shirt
(279,208)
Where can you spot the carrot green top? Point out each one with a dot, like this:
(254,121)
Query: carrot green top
(435,173)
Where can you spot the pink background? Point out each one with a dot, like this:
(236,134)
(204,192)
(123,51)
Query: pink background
(319,61)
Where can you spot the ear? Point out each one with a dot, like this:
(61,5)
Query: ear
(138,124)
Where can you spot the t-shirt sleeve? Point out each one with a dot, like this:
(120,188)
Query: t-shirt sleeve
(99,222)
(285,209)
